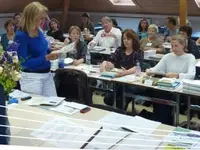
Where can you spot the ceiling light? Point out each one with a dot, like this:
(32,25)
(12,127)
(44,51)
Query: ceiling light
(197,2)
(123,2)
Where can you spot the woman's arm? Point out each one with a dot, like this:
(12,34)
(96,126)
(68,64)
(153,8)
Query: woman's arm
(106,65)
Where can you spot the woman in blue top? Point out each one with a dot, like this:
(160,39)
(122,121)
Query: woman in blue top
(9,35)
(34,53)
(142,29)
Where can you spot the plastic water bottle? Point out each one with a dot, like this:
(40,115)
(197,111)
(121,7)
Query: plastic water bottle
(88,58)
(137,69)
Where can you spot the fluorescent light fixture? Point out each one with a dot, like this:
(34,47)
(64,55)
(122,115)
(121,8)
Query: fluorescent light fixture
(197,2)
(123,2)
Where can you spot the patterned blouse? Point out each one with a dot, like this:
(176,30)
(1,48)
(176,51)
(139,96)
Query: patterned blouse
(120,59)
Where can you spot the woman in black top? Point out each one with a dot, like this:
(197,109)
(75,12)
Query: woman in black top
(55,31)
(79,55)
(125,58)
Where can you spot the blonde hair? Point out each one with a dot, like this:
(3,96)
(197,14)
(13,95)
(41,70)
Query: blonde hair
(182,40)
(153,26)
(30,15)
(74,28)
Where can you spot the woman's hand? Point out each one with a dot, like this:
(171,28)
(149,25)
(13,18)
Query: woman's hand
(51,56)
(76,62)
(67,41)
(148,72)
(103,66)
(172,75)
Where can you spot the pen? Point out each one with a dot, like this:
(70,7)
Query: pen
(91,138)
(128,130)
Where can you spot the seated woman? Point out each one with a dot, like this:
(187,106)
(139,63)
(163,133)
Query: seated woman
(142,29)
(125,58)
(55,31)
(152,42)
(177,64)
(79,55)
(9,36)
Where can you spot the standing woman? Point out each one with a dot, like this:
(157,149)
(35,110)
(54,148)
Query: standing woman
(142,29)
(9,35)
(34,52)
(55,31)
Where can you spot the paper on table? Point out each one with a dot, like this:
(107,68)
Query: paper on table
(137,124)
(127,78)
(183,138)
(139,142)
(18,94)
(51,101)
(75,105)
(111,140)
(66,49)
(64,132)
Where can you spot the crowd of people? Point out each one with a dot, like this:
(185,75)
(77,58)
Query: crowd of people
(28,30)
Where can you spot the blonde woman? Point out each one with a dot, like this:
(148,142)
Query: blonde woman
(152,42)
(79,55)
(177,64)
(34,52)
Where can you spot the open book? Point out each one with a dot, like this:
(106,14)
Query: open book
(66,49)
(45,101)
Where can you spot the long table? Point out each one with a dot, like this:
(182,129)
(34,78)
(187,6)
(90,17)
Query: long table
(22,116)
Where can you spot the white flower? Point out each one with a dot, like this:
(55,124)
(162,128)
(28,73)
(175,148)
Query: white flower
(15,59)
(16,75)
(1,70)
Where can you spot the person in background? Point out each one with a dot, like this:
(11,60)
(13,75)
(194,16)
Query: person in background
(79,55)
(142,29)
(192,48)
(55,31)
(16,19)
(125,58)
(115,24)
(8,37)
(171,28)
(177,64)
(44,25)
(33,50)
(86,23)
(108,36)
(152,42)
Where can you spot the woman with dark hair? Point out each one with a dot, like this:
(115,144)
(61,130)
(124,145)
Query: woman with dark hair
(142,29)
(125,58)
(55,31)
(9,35)
(115,24)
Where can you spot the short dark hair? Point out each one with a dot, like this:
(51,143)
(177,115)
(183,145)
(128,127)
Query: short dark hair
(114,22)
(54,20)
(187,30)
(132,35)
(16,14)
(86,15)
(7,23)
(172,20)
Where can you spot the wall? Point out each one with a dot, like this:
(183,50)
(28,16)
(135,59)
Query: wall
(124,20)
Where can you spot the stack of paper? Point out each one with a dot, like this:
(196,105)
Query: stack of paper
(191,86)
(183,138)
(98,48)
(18,94)
(66,49)
(168,83)
(149,53)
(69,108)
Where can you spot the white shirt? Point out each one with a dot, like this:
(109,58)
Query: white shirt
(108,41)
(183,65)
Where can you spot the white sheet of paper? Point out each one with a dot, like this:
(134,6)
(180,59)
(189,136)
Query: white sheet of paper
(139,142)
(112,138)
(127,78)
(137,124)
(63,133)
(37,101)
(65,49)
(65,109)
(18,94)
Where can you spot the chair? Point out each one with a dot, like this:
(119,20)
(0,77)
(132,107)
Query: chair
(108,108)
(73,85)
